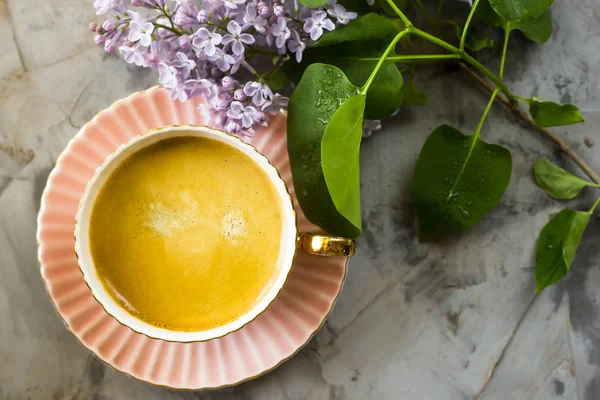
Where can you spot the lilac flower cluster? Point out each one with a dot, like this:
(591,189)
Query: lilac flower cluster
(206,47)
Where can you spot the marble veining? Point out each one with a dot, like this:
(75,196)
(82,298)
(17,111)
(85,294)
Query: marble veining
(456,319)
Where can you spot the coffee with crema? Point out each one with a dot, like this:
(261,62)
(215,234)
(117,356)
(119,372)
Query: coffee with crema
(185,234)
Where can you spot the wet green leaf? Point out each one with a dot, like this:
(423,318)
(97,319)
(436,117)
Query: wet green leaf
(368,27)
(487,14)
(549,113)
(340,151)
(538,29)
(520,10)
(557,245)
(458,179)
(321,91)
(313,3)
(557,182)
(355,49)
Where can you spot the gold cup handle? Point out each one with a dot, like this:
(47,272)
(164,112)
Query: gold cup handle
(324,245)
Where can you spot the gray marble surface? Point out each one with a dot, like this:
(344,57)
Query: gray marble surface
(456,319)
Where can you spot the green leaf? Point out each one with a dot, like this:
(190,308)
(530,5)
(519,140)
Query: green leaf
(549,113)
(471,42)
(385,94)
(557,245)
(355,49)
(557,182)
(458,179)
(312,105)
(414,96)
(520,10)
(313,3)
(360,6)
(340,151)
(538,29)
(276,79)
(368,27)
(487,14)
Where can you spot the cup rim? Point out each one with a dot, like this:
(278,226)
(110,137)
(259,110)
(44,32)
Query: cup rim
(255,311)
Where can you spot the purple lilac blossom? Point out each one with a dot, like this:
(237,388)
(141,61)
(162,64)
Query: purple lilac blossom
(140,29)
(233,4)
(246,114)
(147,3)
(108,6)
(222,60)
(206,41)
(252,18)
(131,55)
(369,126)
(237,38)
(186,15)
(281,32)
(203,48)
(297,46)
(315,25)
(279,10)
(183,64)
(339,12)
(167,75)
(263,10)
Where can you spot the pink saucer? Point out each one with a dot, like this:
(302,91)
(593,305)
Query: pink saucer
(275,336)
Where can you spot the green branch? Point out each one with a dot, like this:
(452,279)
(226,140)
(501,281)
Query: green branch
(465,56)
(474,142)
(463,37)
(486,111)
(402,59)
(495,92)
(504,48)
(459,51)
(423,57)
(594,206)
(410,29)
(165,11)
(387,51)
(157,25)
(403,17)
